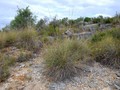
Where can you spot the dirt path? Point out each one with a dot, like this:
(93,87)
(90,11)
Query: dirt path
(28,76)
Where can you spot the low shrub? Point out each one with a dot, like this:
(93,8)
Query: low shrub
(98,36)
(62,58)
(11,38)
(7,38)
(27,35)
(44,39)
(24,56)
(2,39)
(115,33)
(28,39)
(107,52)
(5,62)
(51,31)
(4,73)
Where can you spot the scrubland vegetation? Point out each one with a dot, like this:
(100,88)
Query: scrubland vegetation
(63,59)
(61,56)
(105,47)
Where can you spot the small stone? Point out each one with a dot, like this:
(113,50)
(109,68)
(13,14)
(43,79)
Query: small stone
(77,79)
(92,85)
(20,88)
(118,74)
(107,88)
(22,65)
(117,84)
(52,86)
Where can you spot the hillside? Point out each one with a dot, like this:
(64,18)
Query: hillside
(64,54)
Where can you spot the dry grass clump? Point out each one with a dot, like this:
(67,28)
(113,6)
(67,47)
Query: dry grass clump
(62,58)
(7,38)
(24,56)
(27,39)
(107,52)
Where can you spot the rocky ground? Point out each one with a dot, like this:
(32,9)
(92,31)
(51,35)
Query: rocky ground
(28,76)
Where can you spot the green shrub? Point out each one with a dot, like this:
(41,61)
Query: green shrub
(61,59)
(44,39)
(5,62)
(4,73)
(107,52)
(98,36)
(115,33)
(24,18)
(27,35)
(49,31)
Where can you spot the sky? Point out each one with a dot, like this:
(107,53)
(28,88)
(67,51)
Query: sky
(61,8)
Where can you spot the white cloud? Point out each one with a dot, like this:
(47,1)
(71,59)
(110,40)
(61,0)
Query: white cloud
(90,2)
(61,8)
(100,2)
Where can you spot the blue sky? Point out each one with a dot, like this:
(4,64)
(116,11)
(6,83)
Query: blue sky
(61,8)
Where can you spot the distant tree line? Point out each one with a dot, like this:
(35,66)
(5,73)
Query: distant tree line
(25,18)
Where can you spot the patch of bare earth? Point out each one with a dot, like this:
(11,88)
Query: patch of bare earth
(28,76)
